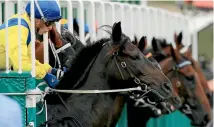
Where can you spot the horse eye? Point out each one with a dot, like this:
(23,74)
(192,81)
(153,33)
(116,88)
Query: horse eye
(190,77)
(135,57)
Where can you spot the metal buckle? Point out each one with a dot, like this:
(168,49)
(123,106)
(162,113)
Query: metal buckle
(145,86)
(115,53)
(123,64)
(150,102)
(137,81)
(176,68)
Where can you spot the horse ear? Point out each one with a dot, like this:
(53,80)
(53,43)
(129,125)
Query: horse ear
(188,53)
(154,44)
(76,26)
(175,37)
(190,47)
(135,40)
(116,32)
(175,54)
(163,43)
(179,39)
(142,44)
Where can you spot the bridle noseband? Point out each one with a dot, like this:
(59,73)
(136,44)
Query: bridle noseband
(179,66)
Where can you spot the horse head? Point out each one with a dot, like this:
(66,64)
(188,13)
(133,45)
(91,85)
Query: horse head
(136,57)
(204,90)
(185,82)
(135,69)
(70,44)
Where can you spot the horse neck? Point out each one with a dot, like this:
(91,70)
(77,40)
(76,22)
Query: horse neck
(201,76)
(201,95)
(108,115)
(102,113)
(96,72)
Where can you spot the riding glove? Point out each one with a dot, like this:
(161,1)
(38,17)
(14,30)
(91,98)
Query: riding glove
(51,80)
(58,72)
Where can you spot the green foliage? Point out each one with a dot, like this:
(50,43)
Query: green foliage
(205,42)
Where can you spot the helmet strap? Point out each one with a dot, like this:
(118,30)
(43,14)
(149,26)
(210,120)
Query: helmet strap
(40,11)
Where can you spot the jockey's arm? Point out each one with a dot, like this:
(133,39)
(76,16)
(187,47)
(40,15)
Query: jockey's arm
(41,69)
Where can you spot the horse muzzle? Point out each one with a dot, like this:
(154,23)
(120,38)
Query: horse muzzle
(199,123)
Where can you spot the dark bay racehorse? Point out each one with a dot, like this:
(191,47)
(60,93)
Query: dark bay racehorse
(141,116)
(112,63)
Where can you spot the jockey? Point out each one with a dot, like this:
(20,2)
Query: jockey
(46,14)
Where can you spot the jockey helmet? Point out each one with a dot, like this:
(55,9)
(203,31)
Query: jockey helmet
(47,10)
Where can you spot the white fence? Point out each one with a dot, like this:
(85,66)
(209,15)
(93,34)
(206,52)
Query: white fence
(136,20)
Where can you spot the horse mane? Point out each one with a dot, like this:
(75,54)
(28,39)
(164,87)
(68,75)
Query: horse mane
(80,63)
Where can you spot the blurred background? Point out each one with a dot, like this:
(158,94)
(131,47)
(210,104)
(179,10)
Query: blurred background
(199,11)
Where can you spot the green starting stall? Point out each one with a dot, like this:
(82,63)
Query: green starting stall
(16,86)
(175,119)
(19,84)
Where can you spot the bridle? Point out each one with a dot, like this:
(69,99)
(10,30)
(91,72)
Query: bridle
(176,68)
(60,50)
(179,66)
(138,98)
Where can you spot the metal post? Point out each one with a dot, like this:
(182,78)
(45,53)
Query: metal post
(32,38)
(131,23)
(195,42)
(119,16)
(128,21)
(100,16)
(46,48)
(91,18)
(109,13)
(81,21)
(70,16)
(6,37)
(19,36)
(137,21)
(58,25)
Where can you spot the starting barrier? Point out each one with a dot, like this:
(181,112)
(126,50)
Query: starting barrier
(136,21)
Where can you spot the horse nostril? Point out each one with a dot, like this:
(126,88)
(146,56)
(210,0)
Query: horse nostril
(206,119)
(167,87)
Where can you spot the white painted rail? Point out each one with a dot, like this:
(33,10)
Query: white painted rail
(136,21)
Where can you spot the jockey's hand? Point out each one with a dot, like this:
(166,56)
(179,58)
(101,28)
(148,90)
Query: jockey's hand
(58,72)
(51,80)
(65,69)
